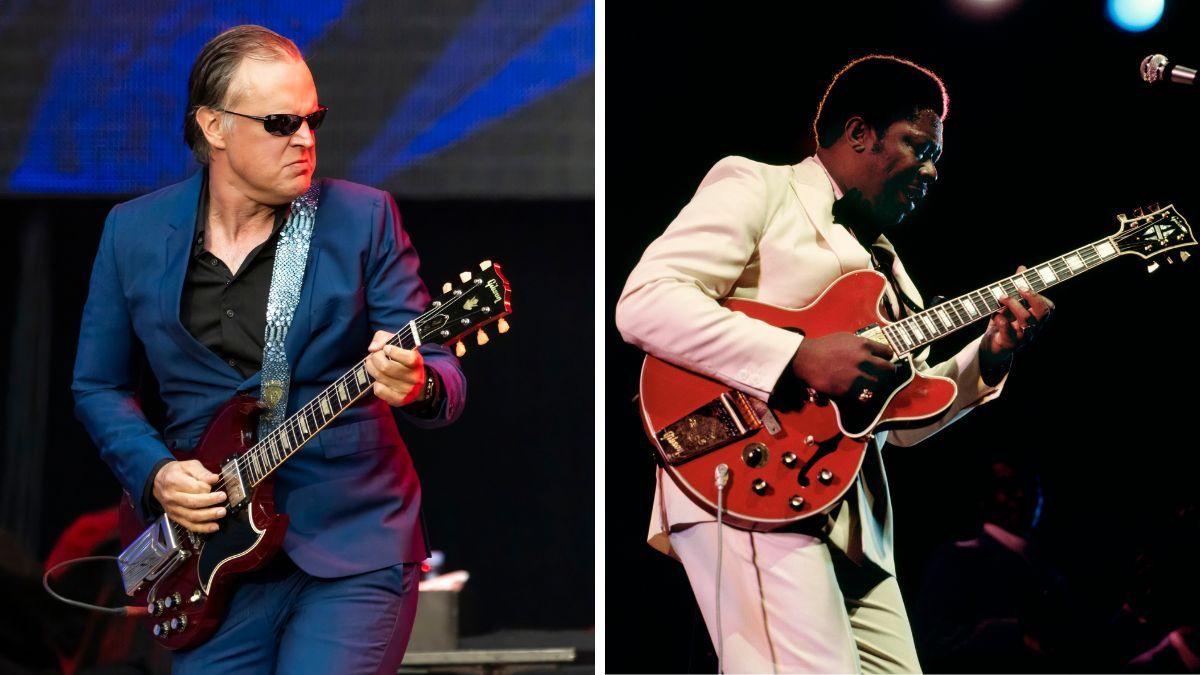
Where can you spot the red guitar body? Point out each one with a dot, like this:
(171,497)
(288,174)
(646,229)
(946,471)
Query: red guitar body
(807,463)
(248,537)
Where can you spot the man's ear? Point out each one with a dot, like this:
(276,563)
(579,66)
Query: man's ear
(210,125)
(856,133)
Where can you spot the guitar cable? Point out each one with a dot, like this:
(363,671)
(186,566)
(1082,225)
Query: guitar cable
(121,611)
(722,479)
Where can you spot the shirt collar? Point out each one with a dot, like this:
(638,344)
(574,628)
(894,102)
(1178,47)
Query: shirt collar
(202,216)
(837,189)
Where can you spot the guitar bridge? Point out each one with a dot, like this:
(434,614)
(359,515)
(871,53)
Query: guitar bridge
(725,419)
(149,556)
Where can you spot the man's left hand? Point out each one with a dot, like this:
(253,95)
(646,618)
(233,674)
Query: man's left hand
(1013,327)
(399,373)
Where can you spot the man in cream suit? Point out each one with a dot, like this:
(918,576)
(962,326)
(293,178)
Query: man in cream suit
(822,596)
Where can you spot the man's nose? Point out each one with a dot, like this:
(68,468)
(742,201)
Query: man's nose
(928,171)
(304,136)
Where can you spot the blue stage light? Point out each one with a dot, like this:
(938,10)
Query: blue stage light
(1135,15)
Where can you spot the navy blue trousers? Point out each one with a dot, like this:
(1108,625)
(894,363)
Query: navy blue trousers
(282,620)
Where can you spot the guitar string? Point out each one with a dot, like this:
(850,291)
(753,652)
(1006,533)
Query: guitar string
(424,320)
(1089,255)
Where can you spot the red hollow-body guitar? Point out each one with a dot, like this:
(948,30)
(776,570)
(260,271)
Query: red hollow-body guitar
(784,465)
(185,579)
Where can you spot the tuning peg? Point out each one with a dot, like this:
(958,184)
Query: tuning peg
(1152,267)
(459,349)
(1137,213)
(1152,208)
(464,276)
(1184,255)
(485,265)
(502,325)
(481,338)
(446,287)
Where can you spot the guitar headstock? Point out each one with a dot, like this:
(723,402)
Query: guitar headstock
(1153,231)
(474,301)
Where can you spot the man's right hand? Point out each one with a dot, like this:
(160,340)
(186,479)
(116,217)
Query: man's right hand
(839,364)
(184,489)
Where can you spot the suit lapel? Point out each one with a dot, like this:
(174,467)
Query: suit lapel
(180,214)
(811,186)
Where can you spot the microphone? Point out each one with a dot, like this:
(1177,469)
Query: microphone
(1155,67)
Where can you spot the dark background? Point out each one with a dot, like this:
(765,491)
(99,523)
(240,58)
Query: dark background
(480,113)
(1051,133)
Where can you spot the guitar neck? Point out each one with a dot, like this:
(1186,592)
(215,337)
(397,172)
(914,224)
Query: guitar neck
(285,440)
(914,332)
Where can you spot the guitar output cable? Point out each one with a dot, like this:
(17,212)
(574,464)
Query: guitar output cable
(722,479)
(122,611)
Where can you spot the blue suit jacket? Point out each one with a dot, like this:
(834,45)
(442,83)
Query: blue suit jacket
(352,493)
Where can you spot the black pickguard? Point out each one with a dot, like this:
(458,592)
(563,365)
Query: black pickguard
(858,416)
(235,537)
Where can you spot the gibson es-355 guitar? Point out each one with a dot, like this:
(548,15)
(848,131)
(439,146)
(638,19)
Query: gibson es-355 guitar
(185,579)
(786,465)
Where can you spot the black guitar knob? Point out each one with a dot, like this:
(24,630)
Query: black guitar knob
(162,629)
(179,623)
(789,460)
(796,502)
(172,601)
(155,607)
(759,486)
(755,455)
(826,476)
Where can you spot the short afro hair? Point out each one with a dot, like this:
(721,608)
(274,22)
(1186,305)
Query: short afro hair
(880,89)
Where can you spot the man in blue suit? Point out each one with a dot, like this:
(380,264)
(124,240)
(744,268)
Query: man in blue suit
(185,272)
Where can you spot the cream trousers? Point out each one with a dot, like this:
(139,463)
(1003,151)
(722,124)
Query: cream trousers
(790,604)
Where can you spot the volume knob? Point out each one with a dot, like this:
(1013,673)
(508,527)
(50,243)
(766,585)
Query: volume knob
(826,476)
(179,623)
(754,455)
(172,600)
(155,607)
(759,486)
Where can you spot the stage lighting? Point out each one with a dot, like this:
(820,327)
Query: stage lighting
(984,9)
(1135,15)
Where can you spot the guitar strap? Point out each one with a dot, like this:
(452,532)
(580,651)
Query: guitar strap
(883,259)
(287,280)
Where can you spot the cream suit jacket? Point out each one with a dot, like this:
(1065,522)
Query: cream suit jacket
(765,233)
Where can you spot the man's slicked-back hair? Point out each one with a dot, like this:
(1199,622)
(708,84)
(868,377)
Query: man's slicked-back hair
(212,74)
(881,90)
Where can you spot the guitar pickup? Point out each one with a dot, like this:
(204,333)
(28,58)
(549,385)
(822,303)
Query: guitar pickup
(723,420)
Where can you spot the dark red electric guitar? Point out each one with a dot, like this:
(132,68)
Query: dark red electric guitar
(786,465)
(185,579)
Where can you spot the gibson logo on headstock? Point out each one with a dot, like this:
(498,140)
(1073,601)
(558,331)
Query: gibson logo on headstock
(494,287)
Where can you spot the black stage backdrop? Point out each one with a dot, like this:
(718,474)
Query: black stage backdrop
(1050,135)
(508,490)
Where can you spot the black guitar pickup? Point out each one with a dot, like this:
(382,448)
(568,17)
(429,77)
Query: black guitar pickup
(723,420)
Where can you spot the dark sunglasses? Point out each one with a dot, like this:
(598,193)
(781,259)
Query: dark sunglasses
(285,125)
